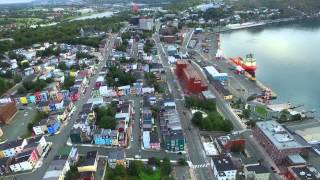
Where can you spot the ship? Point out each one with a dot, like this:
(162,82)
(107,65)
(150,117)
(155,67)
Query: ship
(248,64)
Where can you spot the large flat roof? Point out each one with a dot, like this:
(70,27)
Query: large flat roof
(278,135)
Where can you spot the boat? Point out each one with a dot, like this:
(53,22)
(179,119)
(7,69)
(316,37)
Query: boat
(248,63)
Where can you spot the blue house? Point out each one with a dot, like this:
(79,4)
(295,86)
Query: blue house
(53,125)
(102,137)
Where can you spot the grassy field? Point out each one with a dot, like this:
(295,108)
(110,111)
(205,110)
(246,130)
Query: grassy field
(261,110)
(154,176)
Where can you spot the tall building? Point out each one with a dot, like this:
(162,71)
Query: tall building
(146,23)
(277,141)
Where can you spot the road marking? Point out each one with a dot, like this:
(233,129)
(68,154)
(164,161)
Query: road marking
(198,166)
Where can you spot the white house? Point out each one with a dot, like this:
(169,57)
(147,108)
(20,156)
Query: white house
(223,168)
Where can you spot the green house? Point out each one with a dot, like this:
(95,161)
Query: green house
(174,141)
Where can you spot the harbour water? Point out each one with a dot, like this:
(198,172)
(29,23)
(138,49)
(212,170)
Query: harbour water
(288,59)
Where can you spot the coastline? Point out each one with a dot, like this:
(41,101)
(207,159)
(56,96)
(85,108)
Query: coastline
(288,21)
(254,24)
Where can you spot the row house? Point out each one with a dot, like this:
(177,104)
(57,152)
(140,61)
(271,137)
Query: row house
(11,148)
(26,158)
(106,137)
(117,157)
(24,161)
(50,126)
(51,106)
(82,130)
(57,168)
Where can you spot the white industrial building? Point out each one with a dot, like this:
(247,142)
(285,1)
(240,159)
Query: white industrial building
(146,24)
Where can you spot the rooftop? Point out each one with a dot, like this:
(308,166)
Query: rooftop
(278,135)
(257,168)
(303,173)
(11,144)
(223,163)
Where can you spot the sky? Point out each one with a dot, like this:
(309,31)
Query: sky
(13,1)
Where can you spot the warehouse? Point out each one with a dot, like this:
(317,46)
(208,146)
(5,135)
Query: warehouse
(191,80)
(7,112)
(213,73)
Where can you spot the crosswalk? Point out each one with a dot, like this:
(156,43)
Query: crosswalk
(197,166)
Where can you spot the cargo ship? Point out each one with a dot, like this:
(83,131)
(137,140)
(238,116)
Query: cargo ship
(248,64)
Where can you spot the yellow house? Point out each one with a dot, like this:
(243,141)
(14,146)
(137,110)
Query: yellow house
(2,154)
(73,73)
(90,163)
(24,100)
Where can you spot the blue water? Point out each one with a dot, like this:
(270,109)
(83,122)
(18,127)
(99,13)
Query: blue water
(288,59)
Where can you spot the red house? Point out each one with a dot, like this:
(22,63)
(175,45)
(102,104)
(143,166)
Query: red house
(75,94)
(189,77)
(86,176)
(228,143)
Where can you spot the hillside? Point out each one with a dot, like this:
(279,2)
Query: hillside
(300,5)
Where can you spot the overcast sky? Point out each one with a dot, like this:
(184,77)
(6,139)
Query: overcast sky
(13,1)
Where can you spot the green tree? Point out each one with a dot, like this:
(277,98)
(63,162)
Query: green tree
(246,113)
(62,65)
(182,162)
(197,118)
(68,82)
(107,122)
(296,117)
(166,167)
(135,168)
(72,174)
(284,115)
(120,171)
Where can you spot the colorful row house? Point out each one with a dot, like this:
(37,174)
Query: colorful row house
(11,148)
(25,159)
(106,137)
(47,126)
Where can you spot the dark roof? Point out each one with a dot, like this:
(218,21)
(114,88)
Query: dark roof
(154,137)
(155,65)
(43,103)
(223,163)
(20,159)
(303,173)
(34,139)
(4,161)
(11,144)
(174,134)
(92,154)
(87,162)
(258,169)
(220,88)
(87,107)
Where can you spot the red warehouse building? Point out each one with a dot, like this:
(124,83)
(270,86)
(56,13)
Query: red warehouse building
(191,80)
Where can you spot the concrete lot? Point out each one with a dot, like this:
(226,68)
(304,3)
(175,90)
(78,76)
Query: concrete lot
(19,124)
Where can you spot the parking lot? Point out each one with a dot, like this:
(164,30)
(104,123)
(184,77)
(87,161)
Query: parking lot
(18,126)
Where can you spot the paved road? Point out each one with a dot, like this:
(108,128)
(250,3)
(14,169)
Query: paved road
(252,146)
(195,152)
(60,139)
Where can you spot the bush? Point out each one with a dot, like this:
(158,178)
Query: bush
(182,162)
(206,105)
(105,116)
